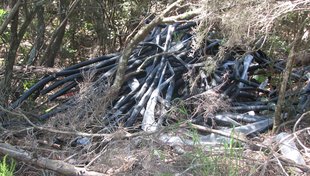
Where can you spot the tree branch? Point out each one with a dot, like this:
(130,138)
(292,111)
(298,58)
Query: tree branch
(10,16)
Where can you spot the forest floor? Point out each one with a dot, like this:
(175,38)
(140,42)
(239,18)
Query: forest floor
(154,154)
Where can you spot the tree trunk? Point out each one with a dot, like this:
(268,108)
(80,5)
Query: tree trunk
(10,59)
(16,37)
(54,46)
(50,53)
(50,61)
(295,47)
(32,57)
(100,28)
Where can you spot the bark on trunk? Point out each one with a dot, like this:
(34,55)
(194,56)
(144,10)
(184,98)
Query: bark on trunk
(10,59)
(16,37)
(54,46)
(287,72)
(50,53)
(40,37)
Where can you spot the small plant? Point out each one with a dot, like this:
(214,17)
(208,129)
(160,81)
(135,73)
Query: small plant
(223,161)
(27,84)
(5,168)
(232,157)
(182,109)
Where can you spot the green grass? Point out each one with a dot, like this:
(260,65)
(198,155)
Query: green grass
(226,161)
(7,169)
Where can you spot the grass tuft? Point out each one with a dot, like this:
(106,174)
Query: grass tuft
(226,160)
(7,169)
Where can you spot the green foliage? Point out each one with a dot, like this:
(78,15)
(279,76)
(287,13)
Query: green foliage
(28,83)
(7,169)
(6,35)
(182,109)
(232,155)
(88,26)
(3,14)
(260,78)
(132,9)
(179,110)
(279,43)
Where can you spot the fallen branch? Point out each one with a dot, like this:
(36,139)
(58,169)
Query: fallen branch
(291,163)
(45,163)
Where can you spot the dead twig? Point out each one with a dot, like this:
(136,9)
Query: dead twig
(294,130)
(281,166)
(290,163)
(117,135)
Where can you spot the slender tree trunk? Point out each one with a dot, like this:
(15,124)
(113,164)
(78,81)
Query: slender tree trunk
(16,37)
(52,49)
(10,58)
(50,61)
(100,28)
(295,47)
(55,44)
(32,57)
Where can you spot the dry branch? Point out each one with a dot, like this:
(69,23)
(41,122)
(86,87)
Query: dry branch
(116,135)
(291,163)
(34,69)
(306,114)
(45,163)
